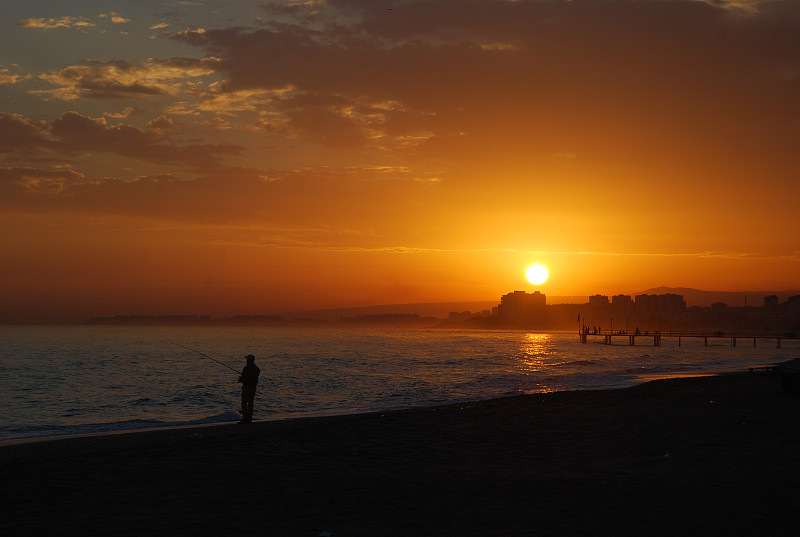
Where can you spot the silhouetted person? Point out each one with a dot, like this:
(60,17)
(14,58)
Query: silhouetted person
(249,380)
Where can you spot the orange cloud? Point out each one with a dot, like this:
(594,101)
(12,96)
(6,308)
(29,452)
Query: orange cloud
(53,23)
(114,17)
(118,79)
(6,77)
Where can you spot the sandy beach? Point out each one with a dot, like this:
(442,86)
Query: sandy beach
(695,456)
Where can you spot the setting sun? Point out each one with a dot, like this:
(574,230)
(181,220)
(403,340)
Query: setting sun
(536,274)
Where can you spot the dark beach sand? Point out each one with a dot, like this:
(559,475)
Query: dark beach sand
(699,456)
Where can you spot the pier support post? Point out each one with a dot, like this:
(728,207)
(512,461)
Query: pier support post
(706,340)
(779,343)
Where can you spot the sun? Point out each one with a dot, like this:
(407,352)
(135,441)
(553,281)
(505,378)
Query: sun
(536,274)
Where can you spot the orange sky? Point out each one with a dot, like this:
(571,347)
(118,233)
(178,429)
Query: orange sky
(224,158)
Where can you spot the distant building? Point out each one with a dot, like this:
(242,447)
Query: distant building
(598,301)
(667,304)
(719,309)
(651,309)
(622,306)
(794,306)
(457,316)
(672,304)
(523,309)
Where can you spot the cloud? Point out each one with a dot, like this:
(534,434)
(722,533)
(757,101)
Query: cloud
(81,23)
(73,133)
(21,182)
(300,200)
(463,88)
(749,6)
(117,79)
(126,113)
(114,17)
(77,133)
(161,125)
(216,102)
(20,134)
(518,79)
(53,23)
(330,121)
(6,77)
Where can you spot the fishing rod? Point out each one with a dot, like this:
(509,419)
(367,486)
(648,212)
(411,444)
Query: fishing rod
(206,356)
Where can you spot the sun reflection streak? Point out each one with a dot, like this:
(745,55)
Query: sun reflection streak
(534,351)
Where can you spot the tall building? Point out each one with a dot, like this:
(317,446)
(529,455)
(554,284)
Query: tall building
(523,309)
(622,306)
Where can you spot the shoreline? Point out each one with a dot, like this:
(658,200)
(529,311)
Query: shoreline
(698,456)
(641,379)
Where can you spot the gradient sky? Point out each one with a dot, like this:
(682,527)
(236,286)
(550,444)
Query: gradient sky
(245,157)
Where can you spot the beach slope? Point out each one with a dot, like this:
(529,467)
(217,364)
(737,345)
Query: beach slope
(696,456)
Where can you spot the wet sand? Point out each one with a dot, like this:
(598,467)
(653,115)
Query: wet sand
(697,456)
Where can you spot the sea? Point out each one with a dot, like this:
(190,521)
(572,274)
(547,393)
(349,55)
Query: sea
(78,380)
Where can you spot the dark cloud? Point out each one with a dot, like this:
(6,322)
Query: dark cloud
(18,133)
(72,133)
(18,184)
(75,132)
(161,124)
(327,127)
(553,75)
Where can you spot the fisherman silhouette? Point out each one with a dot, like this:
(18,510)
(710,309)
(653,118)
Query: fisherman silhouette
(249,380)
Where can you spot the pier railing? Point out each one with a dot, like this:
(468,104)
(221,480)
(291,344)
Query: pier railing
(657,335)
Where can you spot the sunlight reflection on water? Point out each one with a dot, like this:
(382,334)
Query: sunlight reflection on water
(535,352)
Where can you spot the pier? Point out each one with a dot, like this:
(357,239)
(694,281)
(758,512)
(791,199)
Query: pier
(656,336)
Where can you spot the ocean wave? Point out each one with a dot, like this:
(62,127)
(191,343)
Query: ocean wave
(581,363)
(49,430)
(646,370)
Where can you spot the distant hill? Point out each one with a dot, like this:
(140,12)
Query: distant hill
(697,297)
(429,309)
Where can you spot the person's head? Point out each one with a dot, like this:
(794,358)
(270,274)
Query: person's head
(250,358)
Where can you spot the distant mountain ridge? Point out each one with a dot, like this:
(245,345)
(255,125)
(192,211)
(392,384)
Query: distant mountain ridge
(697,297)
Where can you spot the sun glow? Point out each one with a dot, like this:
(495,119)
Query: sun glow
(536,274)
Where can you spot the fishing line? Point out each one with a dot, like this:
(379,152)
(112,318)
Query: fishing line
(205,356)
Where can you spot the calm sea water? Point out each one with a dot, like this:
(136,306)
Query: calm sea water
(75,379)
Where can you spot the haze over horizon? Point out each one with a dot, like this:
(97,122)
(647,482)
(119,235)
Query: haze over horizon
(237,157)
